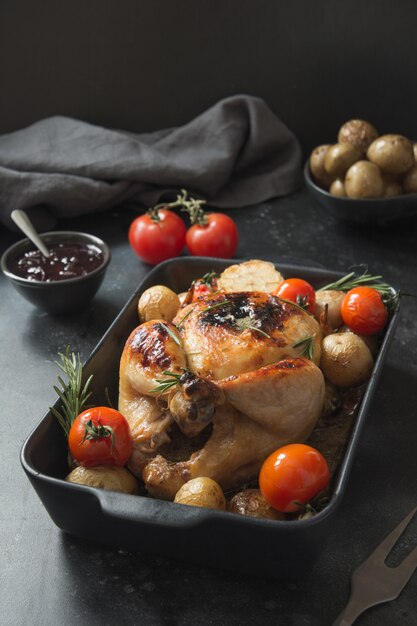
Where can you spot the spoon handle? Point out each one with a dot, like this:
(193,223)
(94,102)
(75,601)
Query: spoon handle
(21,219)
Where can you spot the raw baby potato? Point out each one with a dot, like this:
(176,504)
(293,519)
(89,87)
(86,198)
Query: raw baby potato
(364,180)
(317,166)
(339,158)
(158,303)
(365,165)
(357,133)
(392,153)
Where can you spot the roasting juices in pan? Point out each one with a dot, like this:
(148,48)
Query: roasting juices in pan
(238,394)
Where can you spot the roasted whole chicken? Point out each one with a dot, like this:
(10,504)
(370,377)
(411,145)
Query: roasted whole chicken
(217,390)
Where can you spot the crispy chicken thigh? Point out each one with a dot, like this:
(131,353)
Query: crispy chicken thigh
(237,377)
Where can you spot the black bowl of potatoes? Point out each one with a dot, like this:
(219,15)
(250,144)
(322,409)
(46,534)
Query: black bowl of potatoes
(364,177)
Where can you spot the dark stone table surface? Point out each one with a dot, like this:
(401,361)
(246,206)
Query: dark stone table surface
(51,578)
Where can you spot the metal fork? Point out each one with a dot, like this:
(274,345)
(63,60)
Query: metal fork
(373,582)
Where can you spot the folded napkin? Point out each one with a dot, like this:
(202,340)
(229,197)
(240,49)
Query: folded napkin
(234,154)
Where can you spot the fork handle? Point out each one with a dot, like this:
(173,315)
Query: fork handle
(350,613)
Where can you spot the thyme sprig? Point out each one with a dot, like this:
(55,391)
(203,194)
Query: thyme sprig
(73,394)
(165,384)
(307,345)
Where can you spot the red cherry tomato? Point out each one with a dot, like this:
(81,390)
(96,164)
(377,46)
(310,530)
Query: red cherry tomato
(363,311)
(100,436)
(157,236)
(299,291)
(217,238)
(204,286)
(293,475)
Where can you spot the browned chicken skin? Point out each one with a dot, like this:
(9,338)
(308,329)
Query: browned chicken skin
(237,369)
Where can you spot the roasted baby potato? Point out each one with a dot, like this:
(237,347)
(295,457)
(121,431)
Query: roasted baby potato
(357,133)
(251,275)
(346,360)
(109,477)
(392,153)
(364,180)
(158,303)
(327,309)
(339,158)
(203,492)
(251,502)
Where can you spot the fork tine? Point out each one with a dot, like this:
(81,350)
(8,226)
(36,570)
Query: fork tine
(408,565)
(384,548)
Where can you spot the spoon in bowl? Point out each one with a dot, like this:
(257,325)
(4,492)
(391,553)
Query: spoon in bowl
(23,222)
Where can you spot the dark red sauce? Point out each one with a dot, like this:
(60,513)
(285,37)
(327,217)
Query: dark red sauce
(67,260)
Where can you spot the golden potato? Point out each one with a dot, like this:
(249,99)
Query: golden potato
(202,491)
(251,502)
(358,133)
(337,188)
(364,180)
(317,170)
(108,477)
(392,153)
(346,360)
(415,151)
(158,303)
(371,341)
(339,158)
(410,180)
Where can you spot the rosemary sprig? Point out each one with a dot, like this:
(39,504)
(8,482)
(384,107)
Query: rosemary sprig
(215,306)
(184,317)
(171,333)
(73,395)
(258,330)
(307,345)
(164,384)
(352,280)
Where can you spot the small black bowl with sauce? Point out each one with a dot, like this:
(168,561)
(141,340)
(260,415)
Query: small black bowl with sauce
(65,281)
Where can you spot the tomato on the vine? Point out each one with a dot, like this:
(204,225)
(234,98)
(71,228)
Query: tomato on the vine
(292,475)
(213,235)
(157,235)
(100,436)
(299,291)
(363,310)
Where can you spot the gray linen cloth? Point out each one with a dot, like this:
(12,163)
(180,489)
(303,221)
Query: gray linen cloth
(234,154)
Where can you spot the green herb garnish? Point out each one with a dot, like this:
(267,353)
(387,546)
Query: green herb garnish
(307,345)
(171,333)
(164,384)
(73,395)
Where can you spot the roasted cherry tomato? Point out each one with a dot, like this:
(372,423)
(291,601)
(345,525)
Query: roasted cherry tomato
(363,310)
(292,475)
(204,286)
(215,236)
(157,235)
(100,436)
(299,291)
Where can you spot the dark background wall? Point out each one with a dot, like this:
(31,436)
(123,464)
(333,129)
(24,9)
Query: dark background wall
(141,65)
